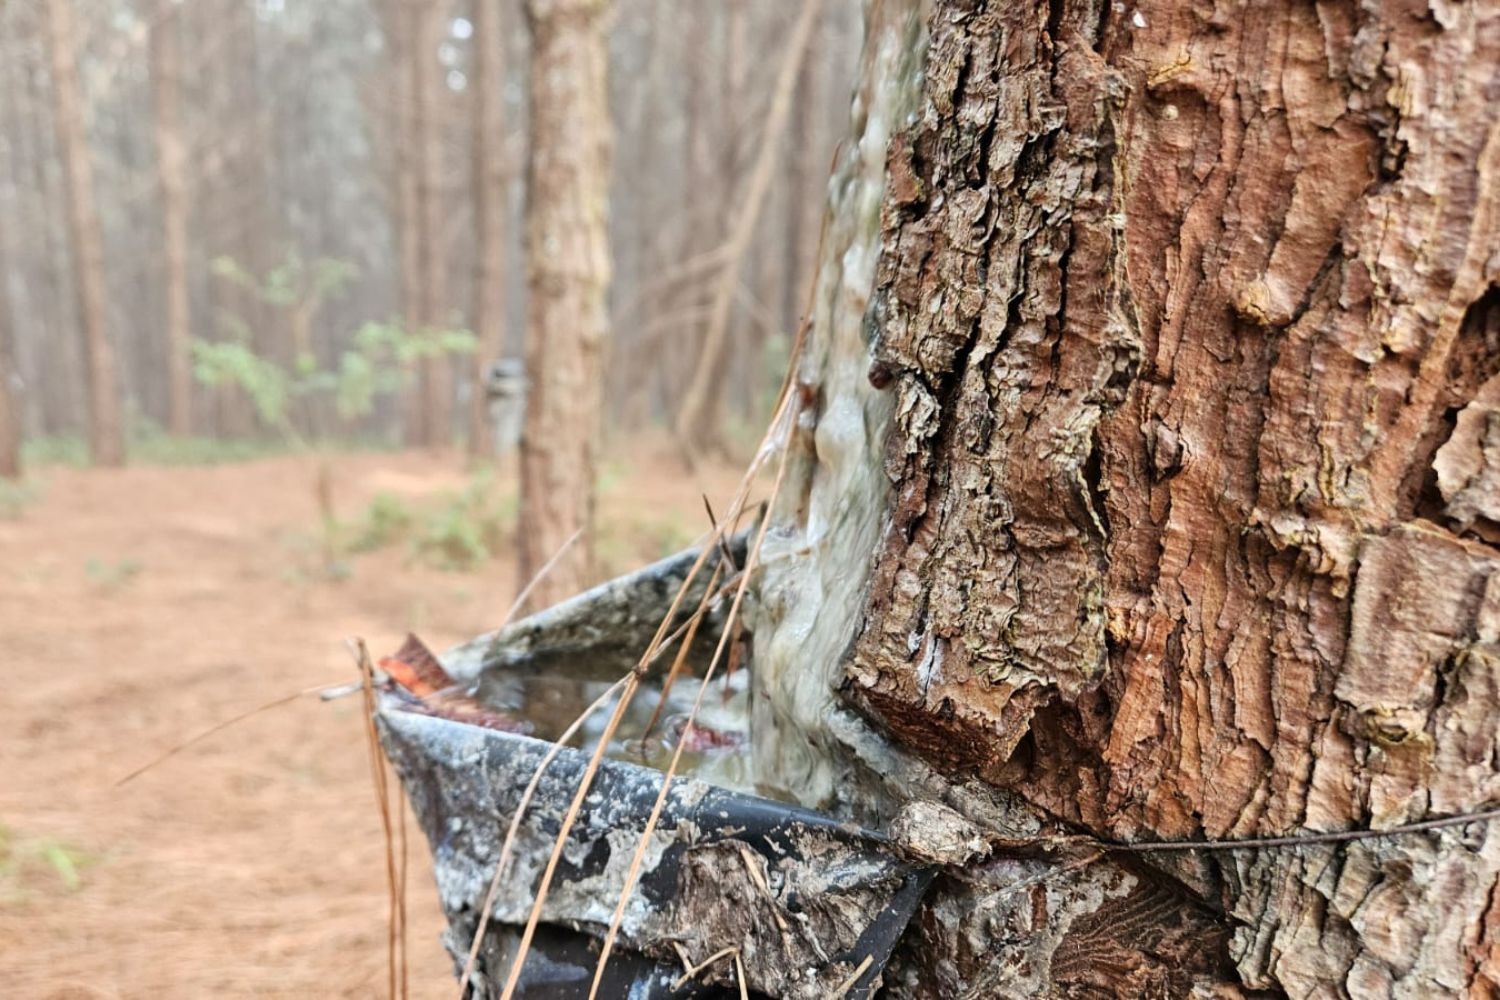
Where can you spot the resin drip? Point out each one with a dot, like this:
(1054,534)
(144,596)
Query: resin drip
(827,522)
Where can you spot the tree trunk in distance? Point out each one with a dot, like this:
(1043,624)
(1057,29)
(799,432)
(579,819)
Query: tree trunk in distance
(1180,486)
(805,161)
(254,227)
(56,401)
(698,417)
(489,216)
(401,20)
(171,159)
(10,406)
(106,430)
(430,90)
(222,191)
(567,279)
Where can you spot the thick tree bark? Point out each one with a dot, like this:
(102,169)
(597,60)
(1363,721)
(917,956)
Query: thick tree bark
(106,425)
(171,165)
(1187,321)
(489,216)
(567,277)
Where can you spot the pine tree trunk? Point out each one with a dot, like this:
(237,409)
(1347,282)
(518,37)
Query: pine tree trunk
(430,88)
(106,425)
(489,216)
(401,21)
(1177,457)
(700,414)
(53,404)
(10,405)
(171,158)
(253,234)
(567,263)
(802,168)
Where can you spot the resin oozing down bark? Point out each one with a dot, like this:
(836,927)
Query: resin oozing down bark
(817,554)
(1190,313)
(1032,926)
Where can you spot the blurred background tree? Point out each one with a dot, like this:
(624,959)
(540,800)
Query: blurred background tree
(141,141)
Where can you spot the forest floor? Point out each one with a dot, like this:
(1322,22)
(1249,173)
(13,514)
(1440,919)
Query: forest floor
(140,606)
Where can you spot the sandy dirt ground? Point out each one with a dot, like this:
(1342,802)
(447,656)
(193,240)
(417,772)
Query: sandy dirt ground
(140,606)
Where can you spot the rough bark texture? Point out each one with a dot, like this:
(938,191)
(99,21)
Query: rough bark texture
(171,167)
(809,592)
(106,426)
(567,261)
(1189,314)
(489,217)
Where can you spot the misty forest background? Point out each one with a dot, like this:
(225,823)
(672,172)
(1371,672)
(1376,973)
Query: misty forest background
(299,181)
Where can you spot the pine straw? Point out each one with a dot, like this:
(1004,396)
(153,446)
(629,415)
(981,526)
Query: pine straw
(780,426)
(661,796)
(395,874)
(222,725)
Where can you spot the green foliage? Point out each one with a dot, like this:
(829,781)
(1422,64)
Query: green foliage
(374,366)
(376,363)
(151,445)
(293,281)
(111,575)
(22,858)
(230,362)
(387,521)
(613,472)
(15,496)
(466,531)
(670,536)
(625,543)
(54,449)
(461,532)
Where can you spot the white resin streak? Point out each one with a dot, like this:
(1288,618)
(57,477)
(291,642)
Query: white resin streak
(818,553)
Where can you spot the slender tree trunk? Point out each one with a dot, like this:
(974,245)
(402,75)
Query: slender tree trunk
(223,197)
(10,405)
(171,160)
(805,161)
(1177,461)
(567,271)
(429,88)
(400,22)
(54,403)
(257,223)
(699,417)
(703,234)
(489,215)
(12,412)
(106,419)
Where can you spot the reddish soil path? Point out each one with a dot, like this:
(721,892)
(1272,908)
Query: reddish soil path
(139,606)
